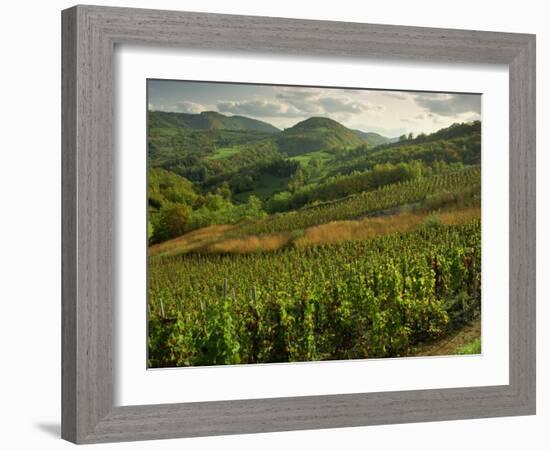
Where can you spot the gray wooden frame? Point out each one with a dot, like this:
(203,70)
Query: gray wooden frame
(89,36)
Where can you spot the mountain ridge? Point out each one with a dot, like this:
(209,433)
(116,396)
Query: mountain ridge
(208,120)
(373,138)
(315,133)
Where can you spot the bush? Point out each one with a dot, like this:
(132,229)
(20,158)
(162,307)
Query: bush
(279,202)
(172,222)
(433,220)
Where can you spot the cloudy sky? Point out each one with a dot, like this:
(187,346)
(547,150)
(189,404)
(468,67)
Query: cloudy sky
(390,113)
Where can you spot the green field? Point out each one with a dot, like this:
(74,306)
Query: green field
(225,152)
(319,155)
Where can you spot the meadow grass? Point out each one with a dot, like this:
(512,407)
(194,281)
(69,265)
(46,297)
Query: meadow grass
(306,157)
(224,152)
(471,348)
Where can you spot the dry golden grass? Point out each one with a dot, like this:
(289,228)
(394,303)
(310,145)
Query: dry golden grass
(367,228)
(191,241)
(371,227)
(460,216)
(212,239)
(250,244)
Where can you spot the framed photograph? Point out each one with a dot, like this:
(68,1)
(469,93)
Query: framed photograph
(277,224)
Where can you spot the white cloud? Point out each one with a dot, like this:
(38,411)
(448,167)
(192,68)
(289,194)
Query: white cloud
(185,106)
(283,106)
(395,95)
(449,104)
(262,108)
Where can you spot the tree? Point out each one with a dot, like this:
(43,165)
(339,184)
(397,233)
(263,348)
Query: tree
(203,174)
(421,137)
(150,230)
(173,221)
(254,206)
(224,190)
(297,180)
(215,202)
(279,202)
(403,137)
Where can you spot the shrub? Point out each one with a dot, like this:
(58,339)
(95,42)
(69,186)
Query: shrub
(433,220)
(172,222)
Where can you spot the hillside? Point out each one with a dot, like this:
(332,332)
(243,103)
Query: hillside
(291,168)
(373,139)
(459,143)
(453,131)
(315,134)
(207,120)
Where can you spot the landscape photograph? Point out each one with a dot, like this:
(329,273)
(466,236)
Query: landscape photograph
(291,224)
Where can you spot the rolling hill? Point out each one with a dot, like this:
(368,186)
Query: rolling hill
(373,139)
(208,120)
(213,149)
(314,134)
(310,135)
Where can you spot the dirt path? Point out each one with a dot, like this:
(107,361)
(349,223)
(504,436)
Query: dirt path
(451,343)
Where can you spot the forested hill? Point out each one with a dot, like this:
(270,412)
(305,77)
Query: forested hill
(208,120)
(374,139)
(453,131)
(316,160)
(222,176)
(210,144)
(317,133)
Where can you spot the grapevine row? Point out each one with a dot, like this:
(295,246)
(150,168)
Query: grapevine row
(389,196)
(358,299)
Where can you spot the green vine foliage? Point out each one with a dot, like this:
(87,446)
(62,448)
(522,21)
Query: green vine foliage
(358,299)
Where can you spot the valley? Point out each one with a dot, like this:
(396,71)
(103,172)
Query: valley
(312,242)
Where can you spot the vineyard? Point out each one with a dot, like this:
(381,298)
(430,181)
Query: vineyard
(309,239)
(358,299)
(449,186)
